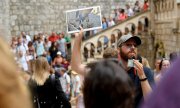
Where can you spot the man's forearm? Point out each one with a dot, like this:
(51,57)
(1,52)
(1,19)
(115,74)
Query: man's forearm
(146,88)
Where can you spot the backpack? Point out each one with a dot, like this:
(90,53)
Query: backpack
(58,99)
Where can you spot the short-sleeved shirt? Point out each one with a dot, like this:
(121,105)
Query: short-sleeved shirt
(77,86)
(62,46)
(65,79)
(22,47)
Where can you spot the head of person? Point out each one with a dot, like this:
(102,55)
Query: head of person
(61,71)
(23,33)
(110,53)
(173,56)
(13,92)
(137,3)
(164,64)
(20,40)
(127,45)
(41,70)
(59,54)
(145,1)
(127,6)
(53,34)
(122,11)
(62,34)
(157,62)
(104,19)
(168,88)
(107,85)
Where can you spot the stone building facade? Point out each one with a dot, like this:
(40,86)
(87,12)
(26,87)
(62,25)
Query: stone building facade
(35,16)
(166,27)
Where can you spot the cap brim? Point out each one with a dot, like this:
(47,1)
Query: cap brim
(137,39)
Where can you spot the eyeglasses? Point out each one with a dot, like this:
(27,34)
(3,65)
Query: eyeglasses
(130,45)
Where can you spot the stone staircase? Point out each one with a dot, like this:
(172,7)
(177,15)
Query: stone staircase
(146,49)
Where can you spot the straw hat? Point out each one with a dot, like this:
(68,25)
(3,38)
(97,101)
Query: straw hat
(73,72)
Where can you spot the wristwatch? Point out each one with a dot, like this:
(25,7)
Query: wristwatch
(142,78)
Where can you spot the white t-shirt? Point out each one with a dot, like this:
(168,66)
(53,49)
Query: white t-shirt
(76,84)
(65,79)
(23,62)
(130,12)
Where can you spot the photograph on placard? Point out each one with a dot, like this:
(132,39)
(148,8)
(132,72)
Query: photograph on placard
(88,18)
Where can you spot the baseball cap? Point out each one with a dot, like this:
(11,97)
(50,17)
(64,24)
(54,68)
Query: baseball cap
(59,53)
(125,38)
(60,69)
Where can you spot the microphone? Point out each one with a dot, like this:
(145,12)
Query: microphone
(133,57)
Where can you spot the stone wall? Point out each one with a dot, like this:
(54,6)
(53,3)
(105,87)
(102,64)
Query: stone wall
(35,16)
(4,18)
(167,25)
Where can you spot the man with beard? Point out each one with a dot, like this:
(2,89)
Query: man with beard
(140,75)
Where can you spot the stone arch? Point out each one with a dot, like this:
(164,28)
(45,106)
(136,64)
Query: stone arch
(118,32)
(146,24)
(89,47)
(131,27)
(99,46)
(113,40)
(92,50)
(104,39)
(114,37)
(85,53)
(115,32)
(119,35)
(140,27)
(145,21)
(126,30)
(86,49)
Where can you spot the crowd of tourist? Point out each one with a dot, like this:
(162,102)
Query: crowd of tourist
(119,15)
(122,14)
(38,73)
(49,54)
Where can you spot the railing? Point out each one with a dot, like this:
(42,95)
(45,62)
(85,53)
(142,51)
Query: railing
(92,41)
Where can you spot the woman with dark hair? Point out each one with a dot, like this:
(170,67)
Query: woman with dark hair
(122,15)
(53,50)
(163,66)
(107,85)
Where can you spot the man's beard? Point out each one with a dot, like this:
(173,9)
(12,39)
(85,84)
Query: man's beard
(125,56)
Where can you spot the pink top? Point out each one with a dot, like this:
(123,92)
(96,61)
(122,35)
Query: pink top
(122,17)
